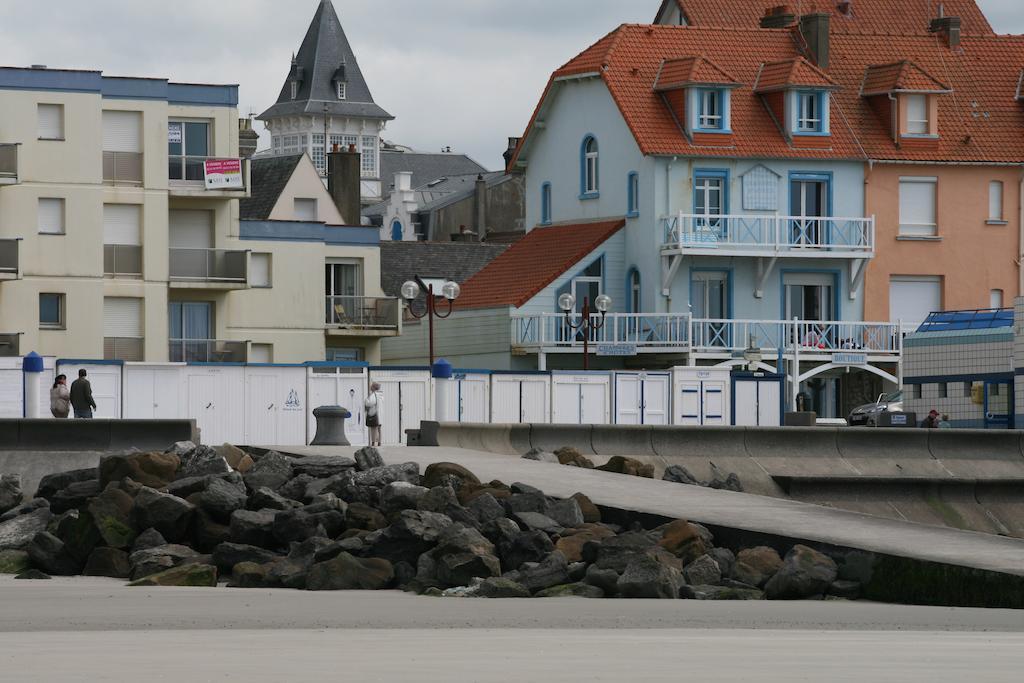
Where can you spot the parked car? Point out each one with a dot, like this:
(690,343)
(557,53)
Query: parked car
(867,414)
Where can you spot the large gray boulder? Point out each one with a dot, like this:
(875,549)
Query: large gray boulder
(322,466)
(401,495)
(11,495)
(108,562)
(221,499)
(523,547)
(368,458)
(646,577)
(273,471)
(74,495)
(49,553)
(805,573)
(463,554)
(227,555)
(346,572)
(167,514)
(498,587)
(254,528)
(553,570)
(566,512)
(17,533)
(268,499)
(155,560)
(24,509)
(704,571)
(112,513)
(202,461)
(680,475)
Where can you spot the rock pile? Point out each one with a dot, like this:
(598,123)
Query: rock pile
(567,455)
(195,515)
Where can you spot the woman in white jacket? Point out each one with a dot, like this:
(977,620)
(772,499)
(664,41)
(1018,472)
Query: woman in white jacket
(373,406)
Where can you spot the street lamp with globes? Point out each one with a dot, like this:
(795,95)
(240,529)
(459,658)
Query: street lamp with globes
(449,292)
(586,325)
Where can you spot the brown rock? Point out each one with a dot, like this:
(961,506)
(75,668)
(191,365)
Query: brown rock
(469,492)
(203,575)
(682,540)
(591,514)
(567,455)
(437,474)
(155,470)
(630,466)
(245,464)
(755,566)
(571,545)
(232,454)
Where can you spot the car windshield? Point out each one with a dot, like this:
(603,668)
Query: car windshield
(894,397)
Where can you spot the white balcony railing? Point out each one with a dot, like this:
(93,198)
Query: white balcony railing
(640,331)
(809,337)
(362,312)
(770,235)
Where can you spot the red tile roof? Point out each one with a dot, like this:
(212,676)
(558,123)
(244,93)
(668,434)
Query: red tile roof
(534,262)
(680,73)
(900,77)
(791,73)
(889,17)
(981,122)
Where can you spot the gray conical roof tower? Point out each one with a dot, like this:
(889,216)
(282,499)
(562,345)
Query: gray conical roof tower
(325,59)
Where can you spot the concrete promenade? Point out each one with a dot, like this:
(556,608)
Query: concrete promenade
(98,629)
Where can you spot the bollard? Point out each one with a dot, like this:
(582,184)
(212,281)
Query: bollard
(442,374)
(330,426)
(33,370)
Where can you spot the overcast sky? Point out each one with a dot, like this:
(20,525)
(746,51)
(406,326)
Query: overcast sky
(459,73)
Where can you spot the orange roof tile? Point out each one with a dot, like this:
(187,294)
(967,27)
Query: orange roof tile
(899,77)
(888,17)
(681,73)
(983,123)
(791,73)
(534,262)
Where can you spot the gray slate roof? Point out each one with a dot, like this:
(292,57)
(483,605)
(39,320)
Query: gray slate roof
(324,57)
(269,177)
(459,261)
(425,167)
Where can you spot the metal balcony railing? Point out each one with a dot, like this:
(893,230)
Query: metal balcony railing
(770,235)
(122,260)
(802,336)
(9,257)
(8,162)
(362,312)
(663,331)
(122,168)
(207,351)
(130,349)
(10,345)
(209,265)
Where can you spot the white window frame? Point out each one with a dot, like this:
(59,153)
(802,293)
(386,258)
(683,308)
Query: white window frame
(61,323)
(369,148)
(917,126)
(295,90)
(711,117)
(907,229)
(996,298)
(59,108)
(809,116)
(63,216)
(996,193)
(342,90)
(318,152)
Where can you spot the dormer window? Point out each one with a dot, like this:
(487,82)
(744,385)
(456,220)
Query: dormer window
(907,98)
(809,112)
(342,90)
(918,122)
(711,116)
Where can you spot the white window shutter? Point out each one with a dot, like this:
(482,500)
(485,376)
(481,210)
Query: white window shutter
(911,299)
(51,216)
(122,317)
(122,131)
(917,206)
(122,224)
(51,121)
(305,210)
(259,270)
(191,229)
(995,201)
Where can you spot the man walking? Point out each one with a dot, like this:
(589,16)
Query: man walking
(81,397)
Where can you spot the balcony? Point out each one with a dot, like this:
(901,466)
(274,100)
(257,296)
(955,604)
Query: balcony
(623,334)
(10,346)
(122,260)
(188,178)
(360,316)
(130,349)
(807,339)
(208,269)
(771,236)
(122,168)
(207,351)
(8,164)
(9,259)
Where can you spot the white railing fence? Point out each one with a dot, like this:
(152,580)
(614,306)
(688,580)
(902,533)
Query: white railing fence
(769,233)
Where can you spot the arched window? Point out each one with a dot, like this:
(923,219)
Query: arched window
(545,203)
(590,180)
(633,192)
(397,233)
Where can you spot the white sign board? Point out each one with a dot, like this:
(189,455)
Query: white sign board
(223,174)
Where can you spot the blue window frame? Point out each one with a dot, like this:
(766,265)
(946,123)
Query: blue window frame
(711,110)
(545,203)
(711,198)
(590,168)
(810,117)
(633,192)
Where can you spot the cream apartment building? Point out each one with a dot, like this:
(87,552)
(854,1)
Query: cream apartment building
(114,245)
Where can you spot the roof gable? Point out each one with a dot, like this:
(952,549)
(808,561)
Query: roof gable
(689,71)
(534,262)
(269,177)
(791,73)
(902,76)
(324,58)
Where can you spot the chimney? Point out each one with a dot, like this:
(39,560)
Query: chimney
(344,183)
(248,139)
(814,28)
(779,16)
(512,144)
(480,206)
(948,28)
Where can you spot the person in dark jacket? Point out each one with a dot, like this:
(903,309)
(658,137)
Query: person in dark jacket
(81,397)
(930,422)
